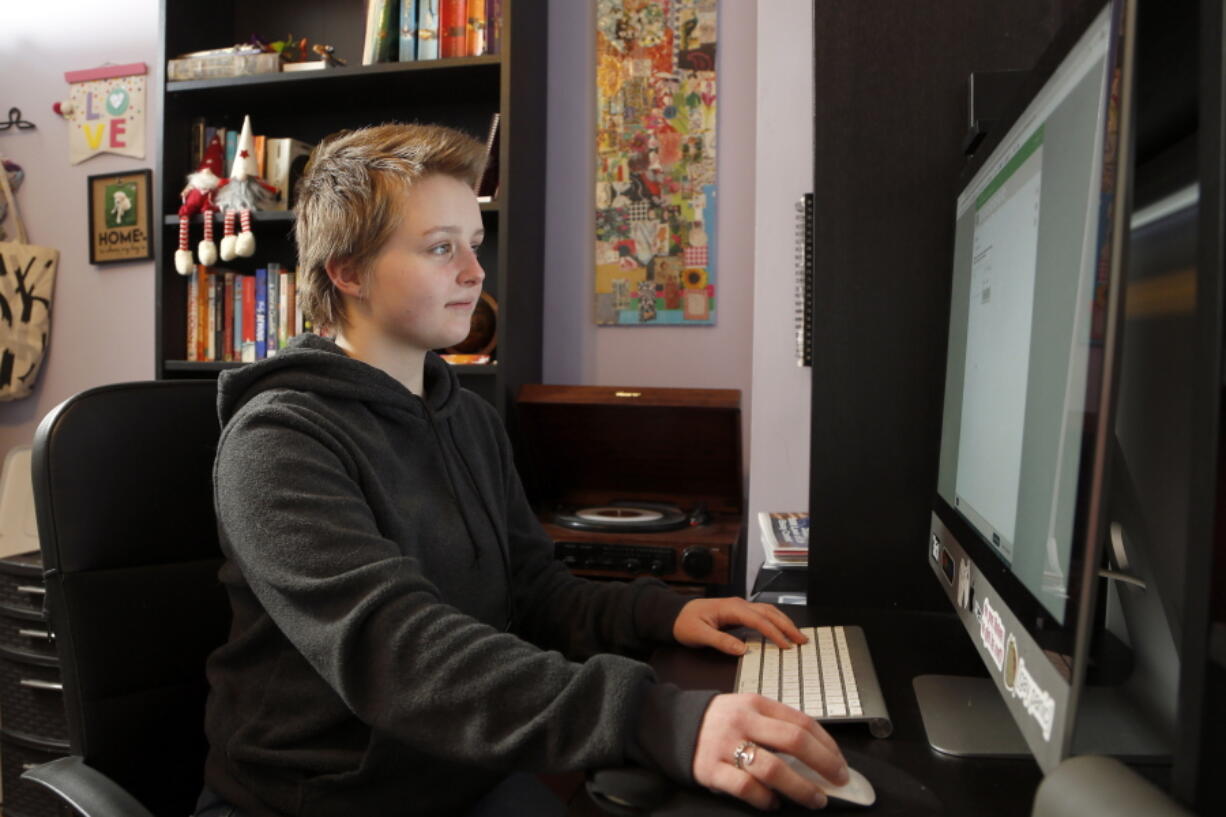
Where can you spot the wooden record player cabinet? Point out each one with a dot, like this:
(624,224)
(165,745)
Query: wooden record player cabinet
(585,446)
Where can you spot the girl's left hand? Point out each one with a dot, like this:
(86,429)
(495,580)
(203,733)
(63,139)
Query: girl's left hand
(701,623)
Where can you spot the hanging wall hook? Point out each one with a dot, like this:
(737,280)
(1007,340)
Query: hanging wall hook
(16,120)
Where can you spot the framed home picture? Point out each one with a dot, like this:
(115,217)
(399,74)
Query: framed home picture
(120,217)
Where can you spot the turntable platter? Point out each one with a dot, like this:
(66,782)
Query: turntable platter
(643,517)
(618,515)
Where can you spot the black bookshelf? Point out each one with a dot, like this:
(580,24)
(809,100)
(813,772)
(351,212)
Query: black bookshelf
(460,92)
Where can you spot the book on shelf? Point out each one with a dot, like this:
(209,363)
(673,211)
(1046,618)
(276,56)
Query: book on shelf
(288,316)
(197,141)
(259,141)
(285,159)
(250,302)
(487,184)
(239,317)
(406,50)
(230,139)
(453,28)
(227,312)
(308,65)
(785,538)
(193,314)
(223,63)
(218,313)
(493,26)
(382,20)
(427,29)
(272,311)
(476,33)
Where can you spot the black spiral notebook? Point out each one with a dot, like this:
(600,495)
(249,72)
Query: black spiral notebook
(803,311)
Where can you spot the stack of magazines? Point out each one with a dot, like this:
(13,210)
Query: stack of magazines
(785,539)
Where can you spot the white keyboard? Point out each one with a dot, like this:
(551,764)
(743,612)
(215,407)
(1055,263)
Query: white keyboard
(830,678)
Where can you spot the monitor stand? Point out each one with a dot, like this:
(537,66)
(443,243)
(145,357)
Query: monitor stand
(964,716)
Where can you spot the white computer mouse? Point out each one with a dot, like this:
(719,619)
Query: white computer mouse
(857,790)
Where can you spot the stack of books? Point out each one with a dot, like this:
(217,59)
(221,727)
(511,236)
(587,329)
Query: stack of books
(785,539)
(409,30)
(240,318)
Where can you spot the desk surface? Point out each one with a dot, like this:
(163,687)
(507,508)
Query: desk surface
(903,644)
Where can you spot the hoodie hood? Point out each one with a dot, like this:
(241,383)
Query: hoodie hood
(315,364)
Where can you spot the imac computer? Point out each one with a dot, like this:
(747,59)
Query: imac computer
(1022,519)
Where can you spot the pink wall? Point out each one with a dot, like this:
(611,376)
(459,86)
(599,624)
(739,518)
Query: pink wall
(102,317)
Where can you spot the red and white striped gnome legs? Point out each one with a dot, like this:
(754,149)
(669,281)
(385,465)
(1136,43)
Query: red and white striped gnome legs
(245,243)
(227,236)
(206,250)
(183,256)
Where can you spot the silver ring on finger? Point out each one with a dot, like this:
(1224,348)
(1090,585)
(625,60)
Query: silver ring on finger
(744,753)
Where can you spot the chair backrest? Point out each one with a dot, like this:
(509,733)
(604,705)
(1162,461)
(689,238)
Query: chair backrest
(123,497)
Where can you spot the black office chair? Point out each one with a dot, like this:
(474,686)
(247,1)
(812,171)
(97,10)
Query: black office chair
(124,501)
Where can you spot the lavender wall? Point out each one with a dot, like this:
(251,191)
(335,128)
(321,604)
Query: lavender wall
(102,317)
(578,351)
(764,155)
(779,451)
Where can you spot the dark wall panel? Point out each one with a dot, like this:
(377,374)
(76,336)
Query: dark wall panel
(890,108)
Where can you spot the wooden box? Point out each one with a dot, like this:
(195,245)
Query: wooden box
(586,446)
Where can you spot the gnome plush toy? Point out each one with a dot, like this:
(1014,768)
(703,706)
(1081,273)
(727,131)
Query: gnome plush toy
(197,197)
(243,192)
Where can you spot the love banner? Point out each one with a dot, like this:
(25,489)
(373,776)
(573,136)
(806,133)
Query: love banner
(106,111)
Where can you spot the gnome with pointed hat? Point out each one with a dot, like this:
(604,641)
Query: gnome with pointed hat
(243,192)
(197,197)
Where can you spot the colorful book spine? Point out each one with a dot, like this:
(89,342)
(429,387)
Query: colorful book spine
(290,323)
(380,42)
(260,335)
(478,29)
(230,140)
(193,314)
(227,306)
(210,318)
(198,143)
(250,325)
(493,26)
(453,39)
(285,159)
(408,31)
(259,143)
(427,29)
(202,313)
(272,323)
(236,348)
(217,319)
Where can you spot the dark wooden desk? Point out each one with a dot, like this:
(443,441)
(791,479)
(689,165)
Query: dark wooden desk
(903,644)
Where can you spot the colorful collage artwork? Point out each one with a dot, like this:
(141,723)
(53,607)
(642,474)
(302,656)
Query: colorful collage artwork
(655,162)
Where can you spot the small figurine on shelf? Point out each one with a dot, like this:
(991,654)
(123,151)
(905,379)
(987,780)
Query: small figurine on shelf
(197,197)
(327,53)
(243,192)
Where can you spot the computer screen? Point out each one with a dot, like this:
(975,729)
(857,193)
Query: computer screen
(1026,435)
(1023,327)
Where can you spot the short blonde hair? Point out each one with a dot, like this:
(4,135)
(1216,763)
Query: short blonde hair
(350,198)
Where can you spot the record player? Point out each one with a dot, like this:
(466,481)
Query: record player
(637,481)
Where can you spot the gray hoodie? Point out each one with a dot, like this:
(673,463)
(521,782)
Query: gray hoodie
(403,637)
